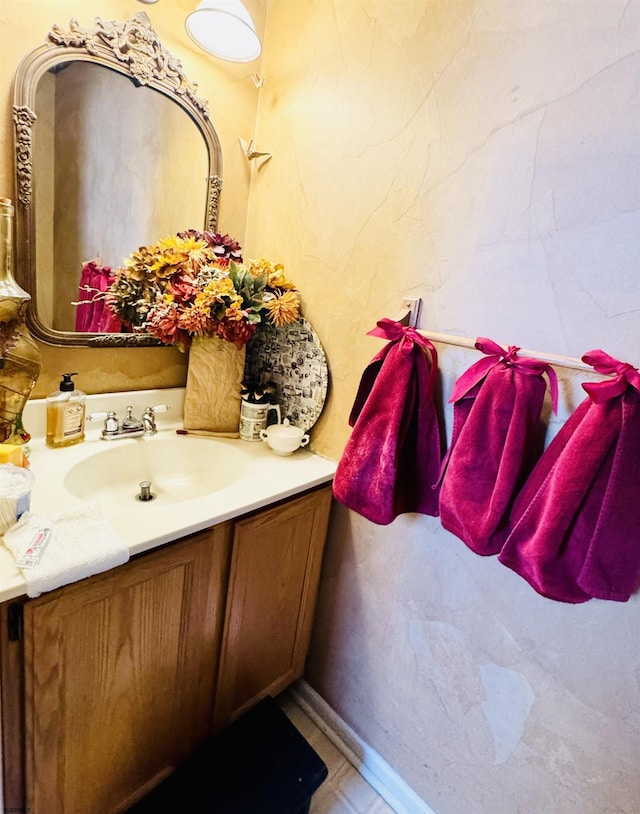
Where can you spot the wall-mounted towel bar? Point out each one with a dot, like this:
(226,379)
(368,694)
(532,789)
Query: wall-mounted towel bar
(410,315)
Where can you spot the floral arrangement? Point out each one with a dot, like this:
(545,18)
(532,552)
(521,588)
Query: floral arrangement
(196,284)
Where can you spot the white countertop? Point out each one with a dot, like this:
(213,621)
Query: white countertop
(265,479)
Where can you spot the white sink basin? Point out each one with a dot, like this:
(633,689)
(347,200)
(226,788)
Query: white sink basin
(178,467)
(199,481)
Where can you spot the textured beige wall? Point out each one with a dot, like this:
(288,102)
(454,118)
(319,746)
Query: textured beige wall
(232,100)
(482,155)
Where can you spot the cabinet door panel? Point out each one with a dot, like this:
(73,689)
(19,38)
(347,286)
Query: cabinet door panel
(273,583)
(120,674)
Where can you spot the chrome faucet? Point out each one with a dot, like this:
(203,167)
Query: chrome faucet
(129,427)
(149,422)
(149,418)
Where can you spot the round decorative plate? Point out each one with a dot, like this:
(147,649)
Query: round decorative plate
(293,358)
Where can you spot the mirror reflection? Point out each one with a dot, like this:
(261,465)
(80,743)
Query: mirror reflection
(116,167)
(114,150)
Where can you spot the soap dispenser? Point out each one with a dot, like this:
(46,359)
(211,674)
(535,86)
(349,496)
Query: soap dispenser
(65,414)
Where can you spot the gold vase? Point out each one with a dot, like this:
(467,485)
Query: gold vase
(20,361)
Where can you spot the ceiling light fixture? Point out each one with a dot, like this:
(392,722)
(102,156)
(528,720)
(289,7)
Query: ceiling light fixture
(225,29)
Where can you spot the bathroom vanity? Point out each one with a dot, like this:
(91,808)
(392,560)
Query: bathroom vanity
(110,682)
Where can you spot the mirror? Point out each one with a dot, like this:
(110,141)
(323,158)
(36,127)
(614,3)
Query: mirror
(114,150)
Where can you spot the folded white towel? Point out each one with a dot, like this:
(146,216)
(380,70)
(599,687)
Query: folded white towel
(80,543)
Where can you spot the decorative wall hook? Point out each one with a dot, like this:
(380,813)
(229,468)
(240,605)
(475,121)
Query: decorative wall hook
(251,152)
(410,313)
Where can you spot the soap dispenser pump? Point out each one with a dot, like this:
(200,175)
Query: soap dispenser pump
(65,414)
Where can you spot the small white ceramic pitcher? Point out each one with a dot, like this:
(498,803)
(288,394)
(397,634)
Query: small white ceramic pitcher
(255,417)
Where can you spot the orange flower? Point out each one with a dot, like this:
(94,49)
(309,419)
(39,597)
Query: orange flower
(234,312)
(284,309)
(197,321)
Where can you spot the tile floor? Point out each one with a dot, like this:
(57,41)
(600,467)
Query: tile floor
(345,791)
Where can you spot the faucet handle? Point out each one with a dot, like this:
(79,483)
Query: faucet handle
(96,416)
(110,420)
(149,418)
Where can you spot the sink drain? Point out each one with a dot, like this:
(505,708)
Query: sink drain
(145,493)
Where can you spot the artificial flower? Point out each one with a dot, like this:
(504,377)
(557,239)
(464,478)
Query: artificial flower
(195,284)
(273,273)
(284,309)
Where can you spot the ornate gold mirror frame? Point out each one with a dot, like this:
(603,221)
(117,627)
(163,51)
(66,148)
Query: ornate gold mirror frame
(130,48)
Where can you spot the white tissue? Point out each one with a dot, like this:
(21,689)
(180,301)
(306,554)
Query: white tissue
(81,543)
(15,494)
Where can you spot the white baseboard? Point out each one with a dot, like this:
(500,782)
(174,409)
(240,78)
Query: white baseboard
(374,768)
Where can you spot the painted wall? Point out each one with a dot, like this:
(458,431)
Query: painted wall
(484,156)
(232,100)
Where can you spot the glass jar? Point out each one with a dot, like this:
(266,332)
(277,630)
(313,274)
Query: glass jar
(20,360)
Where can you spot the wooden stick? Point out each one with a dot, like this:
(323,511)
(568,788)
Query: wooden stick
(209,434)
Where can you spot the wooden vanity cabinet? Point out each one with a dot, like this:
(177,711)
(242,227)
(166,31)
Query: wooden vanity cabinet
(114,680)
(273,585)
(119,676)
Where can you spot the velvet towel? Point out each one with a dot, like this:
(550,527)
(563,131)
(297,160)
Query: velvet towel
(391,462)
(497,438)
(576,524)
(92,314)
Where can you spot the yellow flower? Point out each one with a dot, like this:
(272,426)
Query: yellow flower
(204,300)
(167,263)
(180,244)
(284,309)
(137,266)
(191,251)
(273,273)
(276,278)
(257,267)
(220,287)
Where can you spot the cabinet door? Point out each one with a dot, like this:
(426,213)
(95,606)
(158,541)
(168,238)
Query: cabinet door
(119,676)
(273,585)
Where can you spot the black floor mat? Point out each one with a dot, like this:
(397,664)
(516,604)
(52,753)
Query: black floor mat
(260,765)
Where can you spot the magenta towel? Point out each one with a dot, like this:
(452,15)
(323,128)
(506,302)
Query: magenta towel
(84,309)
(92,314)
(497,438)
(391,462)
(576,524)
